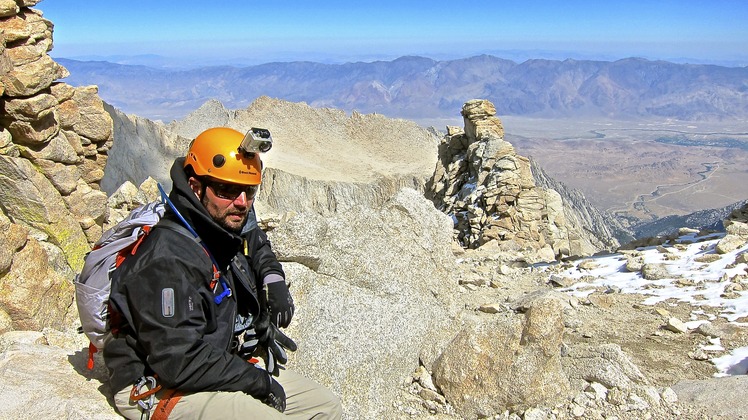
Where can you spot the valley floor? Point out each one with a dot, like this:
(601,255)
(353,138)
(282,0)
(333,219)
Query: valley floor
(640,170)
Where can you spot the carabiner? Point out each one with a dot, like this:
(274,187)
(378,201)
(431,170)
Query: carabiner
(145,399)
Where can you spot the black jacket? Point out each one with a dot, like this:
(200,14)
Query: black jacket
(165,319)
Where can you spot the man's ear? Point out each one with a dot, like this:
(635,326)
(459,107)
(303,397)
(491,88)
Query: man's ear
(196,186)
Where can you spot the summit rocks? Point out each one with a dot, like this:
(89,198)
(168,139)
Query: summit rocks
(490,192)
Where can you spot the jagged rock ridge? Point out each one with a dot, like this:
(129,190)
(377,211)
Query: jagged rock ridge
(146,149)
(373,158)
(322,159)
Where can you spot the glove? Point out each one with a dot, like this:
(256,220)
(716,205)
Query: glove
(280,303)
(266,335)
(276,344)
(276,398)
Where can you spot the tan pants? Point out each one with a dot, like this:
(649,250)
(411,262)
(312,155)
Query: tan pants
(305,399)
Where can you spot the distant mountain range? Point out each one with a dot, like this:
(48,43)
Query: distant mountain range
(422,89)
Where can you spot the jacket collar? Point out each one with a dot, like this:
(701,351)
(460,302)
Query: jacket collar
(224,245)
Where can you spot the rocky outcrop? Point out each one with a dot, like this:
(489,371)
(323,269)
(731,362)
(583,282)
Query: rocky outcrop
(506,363)
(732,219)
(736,225)
(373,290)
(283,192)
(490,192)
(54,141)
(42,378)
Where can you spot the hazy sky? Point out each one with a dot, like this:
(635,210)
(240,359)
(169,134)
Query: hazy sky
(252,31)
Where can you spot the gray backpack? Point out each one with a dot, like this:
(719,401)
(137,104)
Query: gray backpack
(93,283)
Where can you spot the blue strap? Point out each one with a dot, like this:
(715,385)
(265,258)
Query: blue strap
(224,284)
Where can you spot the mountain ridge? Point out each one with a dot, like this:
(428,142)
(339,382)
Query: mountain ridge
(711,219)
(417,87)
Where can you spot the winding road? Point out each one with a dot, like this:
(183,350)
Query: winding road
(640,204)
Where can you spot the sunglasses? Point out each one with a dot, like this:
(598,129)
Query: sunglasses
(232,191)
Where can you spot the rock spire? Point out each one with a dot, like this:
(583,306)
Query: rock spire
(489,191)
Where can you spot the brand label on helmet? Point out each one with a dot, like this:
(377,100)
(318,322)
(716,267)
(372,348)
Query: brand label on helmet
(247,172)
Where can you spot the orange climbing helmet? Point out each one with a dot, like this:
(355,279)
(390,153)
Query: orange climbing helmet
(219,153)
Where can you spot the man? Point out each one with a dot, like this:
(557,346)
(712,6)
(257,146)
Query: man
(180,308)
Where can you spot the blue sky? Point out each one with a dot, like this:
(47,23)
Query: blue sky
(252,32)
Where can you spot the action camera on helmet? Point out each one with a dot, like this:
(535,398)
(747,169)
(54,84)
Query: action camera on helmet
(256,140)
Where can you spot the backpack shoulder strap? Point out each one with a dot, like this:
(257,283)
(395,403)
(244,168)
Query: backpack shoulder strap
(179,228)
(217,277)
